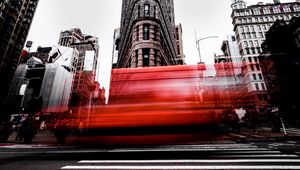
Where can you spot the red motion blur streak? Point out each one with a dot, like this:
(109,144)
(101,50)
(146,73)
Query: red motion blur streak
(162,96)
(173,96)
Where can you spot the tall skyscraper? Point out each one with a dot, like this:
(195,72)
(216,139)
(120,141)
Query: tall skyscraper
(15,21)
(147,34)
(250,25)
(86,64)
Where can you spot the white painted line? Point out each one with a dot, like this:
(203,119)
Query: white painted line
(192,149)
(212,145)
(261,167)
(258,156)
(191,161)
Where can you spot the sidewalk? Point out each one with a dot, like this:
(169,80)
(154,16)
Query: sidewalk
(46,137)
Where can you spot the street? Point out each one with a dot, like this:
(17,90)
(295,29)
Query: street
(222,155)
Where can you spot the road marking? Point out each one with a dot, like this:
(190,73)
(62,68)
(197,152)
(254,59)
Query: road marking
(261,167)
(191,161)
(258,156)
(257,150)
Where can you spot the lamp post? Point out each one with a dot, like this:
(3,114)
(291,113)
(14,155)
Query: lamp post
(198,44)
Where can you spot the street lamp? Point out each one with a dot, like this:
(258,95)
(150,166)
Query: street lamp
(198,44)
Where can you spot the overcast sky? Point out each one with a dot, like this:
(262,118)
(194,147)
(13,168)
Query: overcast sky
(101,17)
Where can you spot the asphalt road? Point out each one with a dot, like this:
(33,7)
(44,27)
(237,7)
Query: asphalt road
(252,155)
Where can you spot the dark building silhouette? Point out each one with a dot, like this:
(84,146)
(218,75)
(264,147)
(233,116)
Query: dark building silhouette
(15,21)
(147,34)
(280,64)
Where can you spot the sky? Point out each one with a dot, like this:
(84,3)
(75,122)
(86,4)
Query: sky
(100,17)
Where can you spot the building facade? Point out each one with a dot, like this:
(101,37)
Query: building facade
(179,45)
(40,87)
(115,52)
(86,65)
(250,25)
(147,34)
(15,21)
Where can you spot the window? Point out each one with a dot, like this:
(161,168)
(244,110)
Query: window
(146,53)
(258,50)
(248,35)
(247,51)
(155,33)
(254,77)
(154,11)
(256,11)
(259,27)
(178,50)
(260,76)
(137,33)
(137,57)
(251,43)
(146,32)
(286,8)
(252,67)
(139,11)
(266,19)
(266,10)
(296,8)
(146,10)
(261,35)
(247,29)
(256,43)
(256,86)
(233,38)
(276,9)
(250,59)
(264,27)
(246,44)
(263,86)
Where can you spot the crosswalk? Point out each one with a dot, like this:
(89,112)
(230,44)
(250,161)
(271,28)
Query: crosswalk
(217,156)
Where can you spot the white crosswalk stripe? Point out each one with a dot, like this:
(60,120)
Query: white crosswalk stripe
(233,156)
(237,167)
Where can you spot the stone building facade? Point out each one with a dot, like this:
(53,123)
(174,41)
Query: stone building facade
(15,21)
(250,25)
(147,34)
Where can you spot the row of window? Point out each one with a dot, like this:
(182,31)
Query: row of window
(146,32)
(251,43)
(252,35)
(258,87)
(254,28)
(147,11)
(250,51)
(251,59)
(276,9)
(269,10)
(264,19)
(146,57)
